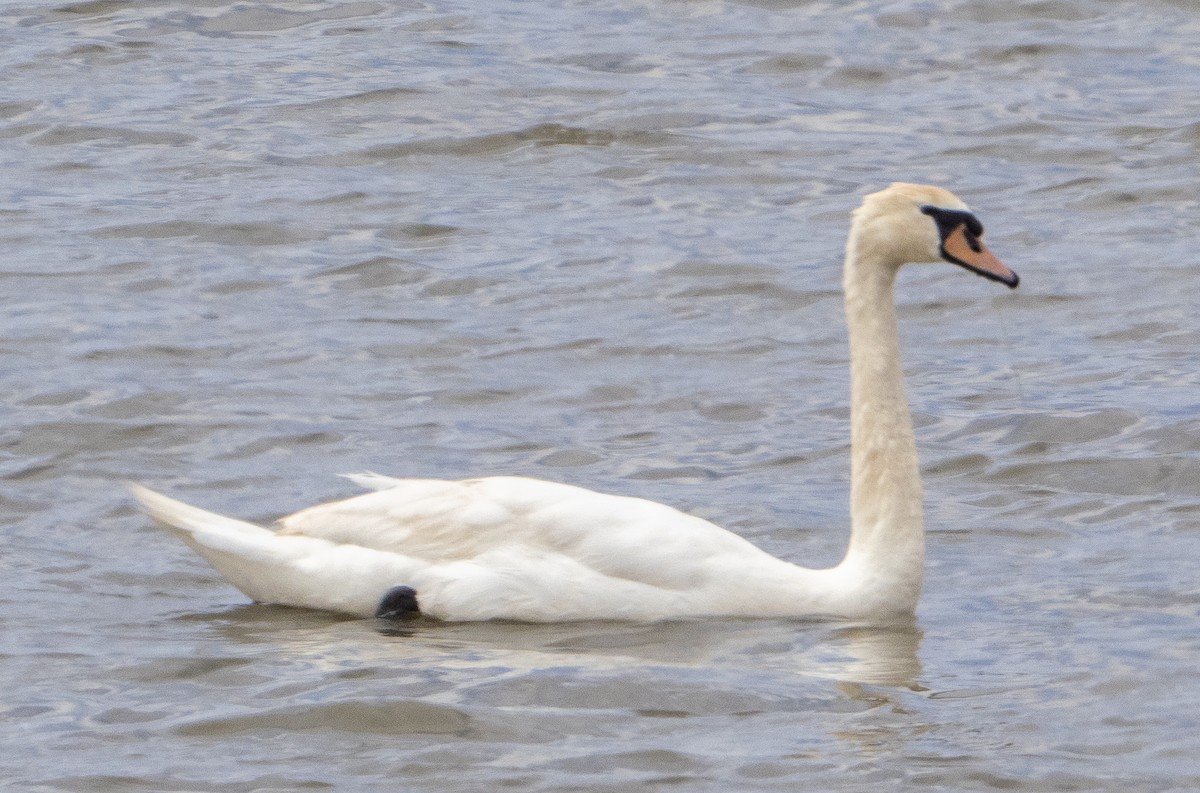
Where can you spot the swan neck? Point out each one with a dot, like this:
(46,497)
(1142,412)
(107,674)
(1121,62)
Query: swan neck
(887,538)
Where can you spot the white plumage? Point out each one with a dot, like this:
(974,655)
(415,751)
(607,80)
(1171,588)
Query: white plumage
(526,549)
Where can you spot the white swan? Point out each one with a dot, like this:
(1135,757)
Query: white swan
(525,549)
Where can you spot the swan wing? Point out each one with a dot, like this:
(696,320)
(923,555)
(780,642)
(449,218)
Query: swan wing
(519,520)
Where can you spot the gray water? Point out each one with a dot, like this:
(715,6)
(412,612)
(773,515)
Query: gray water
(248,246)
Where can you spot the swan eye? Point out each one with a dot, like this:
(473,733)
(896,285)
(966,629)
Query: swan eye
(972,238)
(948,220)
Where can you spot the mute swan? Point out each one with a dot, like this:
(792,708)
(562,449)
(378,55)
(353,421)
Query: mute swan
(529,550)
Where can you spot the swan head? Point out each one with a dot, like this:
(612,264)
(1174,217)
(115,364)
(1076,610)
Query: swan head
(912,223)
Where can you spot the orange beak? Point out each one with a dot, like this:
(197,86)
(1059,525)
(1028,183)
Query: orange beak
(970,253)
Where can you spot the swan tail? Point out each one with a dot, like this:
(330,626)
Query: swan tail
(250,557)
(199,527)
(269,567)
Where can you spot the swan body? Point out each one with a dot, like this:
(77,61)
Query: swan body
(531,550)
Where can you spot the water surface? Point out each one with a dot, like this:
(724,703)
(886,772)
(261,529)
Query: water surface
(248,246)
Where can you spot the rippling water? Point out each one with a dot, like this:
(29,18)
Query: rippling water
(248,246)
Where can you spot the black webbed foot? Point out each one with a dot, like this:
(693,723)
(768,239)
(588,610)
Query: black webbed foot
(398,603)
